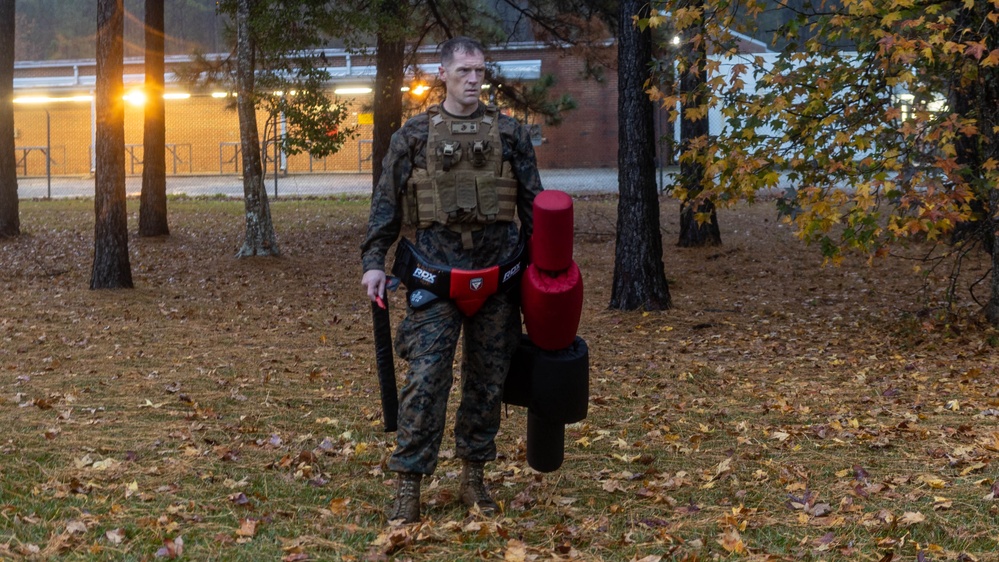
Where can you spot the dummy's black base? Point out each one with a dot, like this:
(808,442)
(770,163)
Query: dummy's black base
(545,443)
(552,384)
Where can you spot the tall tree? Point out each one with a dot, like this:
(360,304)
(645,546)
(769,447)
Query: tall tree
(152,199)
(698,218)
(260,239)
(639,275)
(390,60)
(276,68)
(112,269)
(10,224)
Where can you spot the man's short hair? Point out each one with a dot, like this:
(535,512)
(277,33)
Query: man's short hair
(460,44)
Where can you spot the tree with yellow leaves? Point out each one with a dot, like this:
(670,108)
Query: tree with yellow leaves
(877,119)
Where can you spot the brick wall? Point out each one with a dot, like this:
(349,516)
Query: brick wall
(204,132)
(587,136)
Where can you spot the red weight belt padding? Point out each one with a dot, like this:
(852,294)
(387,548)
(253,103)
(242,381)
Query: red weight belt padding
(468,288)
(552,306)
(471,288)
(551,242)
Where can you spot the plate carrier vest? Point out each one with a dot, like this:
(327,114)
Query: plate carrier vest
(466,184)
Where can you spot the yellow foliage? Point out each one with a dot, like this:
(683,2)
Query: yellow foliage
(890,18)
(863,199)
(696,113)
(656,19)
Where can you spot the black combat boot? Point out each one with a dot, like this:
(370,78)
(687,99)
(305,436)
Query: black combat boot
(472,489)
(406,507)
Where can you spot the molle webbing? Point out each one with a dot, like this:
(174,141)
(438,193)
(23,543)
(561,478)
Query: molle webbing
(466,183)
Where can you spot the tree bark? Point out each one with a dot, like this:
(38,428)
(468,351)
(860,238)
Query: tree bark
(10,224)
(693,91)
(112,269)
(260,239)
(639,274)
(152,199)
(992,308)
(389,75)
(989,119)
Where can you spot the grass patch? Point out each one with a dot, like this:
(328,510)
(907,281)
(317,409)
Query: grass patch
(228,409)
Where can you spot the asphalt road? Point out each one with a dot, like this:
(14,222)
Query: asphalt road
(602,180)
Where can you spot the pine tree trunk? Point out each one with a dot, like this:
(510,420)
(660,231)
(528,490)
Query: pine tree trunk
(389,75)
(112,269)
(693,91)
(639,276)
(152,200)
(992,308)
(260,239)
(692,233)
(10,224)
(989,118)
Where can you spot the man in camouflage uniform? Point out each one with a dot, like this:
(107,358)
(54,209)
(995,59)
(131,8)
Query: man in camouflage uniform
(427,338)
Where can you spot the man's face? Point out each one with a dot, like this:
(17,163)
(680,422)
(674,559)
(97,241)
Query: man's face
(463,78)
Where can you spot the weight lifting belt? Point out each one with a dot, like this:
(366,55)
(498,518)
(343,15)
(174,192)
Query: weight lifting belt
(427,282)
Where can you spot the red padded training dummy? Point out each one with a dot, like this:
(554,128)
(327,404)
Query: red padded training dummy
(551,242)
(552,305)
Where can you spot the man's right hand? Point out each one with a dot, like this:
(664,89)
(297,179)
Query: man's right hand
(374,283)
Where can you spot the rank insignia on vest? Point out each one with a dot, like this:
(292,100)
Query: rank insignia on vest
(464,127)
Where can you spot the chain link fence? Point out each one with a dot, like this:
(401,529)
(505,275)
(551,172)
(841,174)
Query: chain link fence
(55,158)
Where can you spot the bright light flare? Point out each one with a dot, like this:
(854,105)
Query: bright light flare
(136,97)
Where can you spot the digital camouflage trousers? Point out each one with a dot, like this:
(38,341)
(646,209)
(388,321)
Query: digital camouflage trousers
(428,340)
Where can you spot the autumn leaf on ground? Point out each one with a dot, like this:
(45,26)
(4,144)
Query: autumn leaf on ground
(825,542)
(974,467)
(911,518)
(394,538)
(172,548)
(115,536)
(942,504)
(731,541)
(516,551)
(612,486)
(247,528)
(239,498)
(338,506)
(819,509)
(721,469)
(106,464)
(76,526)
(933,481)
